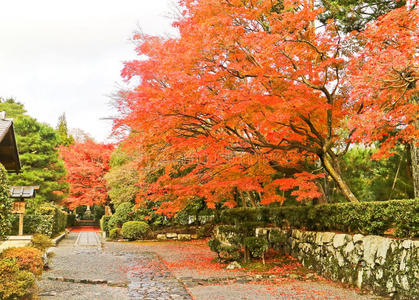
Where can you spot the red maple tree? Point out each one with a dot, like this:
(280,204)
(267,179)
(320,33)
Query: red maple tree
(248,90)
(86,165)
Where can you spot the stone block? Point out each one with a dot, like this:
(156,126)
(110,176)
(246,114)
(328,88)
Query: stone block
(375,249)
(339,240)
(184,237)
(327,237)
(172,236)
(406,244)
(161,237)
(357,238)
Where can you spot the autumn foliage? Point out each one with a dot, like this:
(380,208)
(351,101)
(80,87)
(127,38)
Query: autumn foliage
(87,164)
(250,90)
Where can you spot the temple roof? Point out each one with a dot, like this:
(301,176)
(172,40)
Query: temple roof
(23,191)
(9,156)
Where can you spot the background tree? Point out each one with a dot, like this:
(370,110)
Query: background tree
(356,14)
(38,151)
(5,204)
(122,178)
(66,139)
(86,163)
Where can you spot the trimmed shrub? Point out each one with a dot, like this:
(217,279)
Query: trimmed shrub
(115,233)
(257,246)
(224,252)
(104,223)
(134,230)
(14,283)
(5,204)
(363,217)
(122,214)
(48,219)
(59,217)
(41,242)
(27,258)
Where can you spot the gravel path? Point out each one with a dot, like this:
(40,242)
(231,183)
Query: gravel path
(84,267)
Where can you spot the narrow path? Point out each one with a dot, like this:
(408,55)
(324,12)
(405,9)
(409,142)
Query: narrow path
(83,269)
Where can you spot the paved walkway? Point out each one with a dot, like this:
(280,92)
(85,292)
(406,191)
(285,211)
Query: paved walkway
(87,268)
(83,269)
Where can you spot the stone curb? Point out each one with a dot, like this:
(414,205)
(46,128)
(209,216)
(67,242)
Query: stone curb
(90,281)
(58,239)
(190,281)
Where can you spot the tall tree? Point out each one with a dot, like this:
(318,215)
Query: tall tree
(66,139)
(38,150)
(86,163)
(247,90)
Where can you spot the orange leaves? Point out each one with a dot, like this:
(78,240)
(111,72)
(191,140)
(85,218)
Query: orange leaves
(303,185)
(86,165)
(246,87)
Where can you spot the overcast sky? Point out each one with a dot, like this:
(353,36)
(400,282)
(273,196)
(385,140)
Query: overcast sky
(66,56)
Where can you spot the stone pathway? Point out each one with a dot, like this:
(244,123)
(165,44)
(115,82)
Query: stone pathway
(82,269)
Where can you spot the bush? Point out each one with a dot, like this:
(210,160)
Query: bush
(224,252)
(27,258)
(115,233)
(104,223)
(363,217)
(14,283)
(48,219)
(71,220)
(205,230)
(5,204)
(123,213)
(41,242)
(257,246)
(134,230)
(59,217)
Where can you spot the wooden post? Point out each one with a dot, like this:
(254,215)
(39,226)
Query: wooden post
(20,224)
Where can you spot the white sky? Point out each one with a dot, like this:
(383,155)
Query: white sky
(66,56)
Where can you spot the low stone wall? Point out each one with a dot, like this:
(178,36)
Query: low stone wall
(384,265)
(177,236)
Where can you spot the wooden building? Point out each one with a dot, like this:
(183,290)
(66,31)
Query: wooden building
(9,155)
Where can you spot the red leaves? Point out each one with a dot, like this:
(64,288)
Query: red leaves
(237,93)
(86,165)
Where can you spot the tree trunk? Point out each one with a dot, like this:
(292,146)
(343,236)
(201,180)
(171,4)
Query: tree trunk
(337,177)
(414,152)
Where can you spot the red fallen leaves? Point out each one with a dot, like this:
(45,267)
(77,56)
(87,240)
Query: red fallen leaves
(85,229)
(86,165)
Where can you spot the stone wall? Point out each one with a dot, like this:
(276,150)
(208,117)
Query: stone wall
(384,265)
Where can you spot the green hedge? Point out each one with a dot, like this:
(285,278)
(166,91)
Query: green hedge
(363,217)
(134,230)
(104,223)
(47,219)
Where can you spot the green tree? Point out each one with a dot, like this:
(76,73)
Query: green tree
(122,177)
(37,145)
(356,14)
(377,180)
(5,204)
(65,138)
